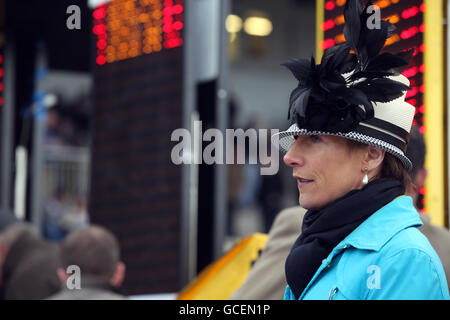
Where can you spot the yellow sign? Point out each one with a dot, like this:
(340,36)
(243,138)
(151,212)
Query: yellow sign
(220,279)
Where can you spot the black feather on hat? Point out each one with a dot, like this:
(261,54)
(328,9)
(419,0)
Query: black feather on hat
(337,94)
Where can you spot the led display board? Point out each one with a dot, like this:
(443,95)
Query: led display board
(135,188)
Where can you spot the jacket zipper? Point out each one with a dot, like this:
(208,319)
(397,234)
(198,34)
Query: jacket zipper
(333,292)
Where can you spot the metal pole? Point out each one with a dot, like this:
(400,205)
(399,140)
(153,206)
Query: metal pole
(38,142)
(221,171)
(7,126)
(189,184)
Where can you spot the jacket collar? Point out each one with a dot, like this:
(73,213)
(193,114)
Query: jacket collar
(382,225)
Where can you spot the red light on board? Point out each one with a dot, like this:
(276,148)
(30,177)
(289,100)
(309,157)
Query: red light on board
(167,28)
(177,9)
(101,60)
(329,5)
(422,68)
(422,129)
(101,44)
(409,33)
(411,72)
(329,24)
(172,24)
(172,43)
(412,92)
(99,13)
(177,25)
(409,13)
(412,101)
(99,29)
(328,43)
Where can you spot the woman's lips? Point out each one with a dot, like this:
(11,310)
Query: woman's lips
(303,182)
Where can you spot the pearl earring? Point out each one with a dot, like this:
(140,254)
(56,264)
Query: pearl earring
(366,178)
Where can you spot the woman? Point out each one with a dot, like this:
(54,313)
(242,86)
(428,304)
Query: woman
(347,149)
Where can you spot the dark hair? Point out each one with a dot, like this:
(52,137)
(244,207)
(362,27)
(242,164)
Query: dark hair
(94,250)
(416,151)
(392,167)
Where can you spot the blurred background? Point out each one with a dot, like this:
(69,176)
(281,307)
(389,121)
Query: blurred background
(91,91)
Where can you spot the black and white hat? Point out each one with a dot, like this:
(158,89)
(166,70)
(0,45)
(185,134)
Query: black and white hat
(355,92)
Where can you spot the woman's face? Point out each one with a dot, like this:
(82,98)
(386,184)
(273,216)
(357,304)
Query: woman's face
(325,168)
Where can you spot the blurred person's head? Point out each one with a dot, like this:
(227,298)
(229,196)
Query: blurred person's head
(416,153)
(8,236)
(52,118)
(7,218)
(95,251)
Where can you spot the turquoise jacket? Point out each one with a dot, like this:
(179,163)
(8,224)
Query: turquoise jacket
(386,257)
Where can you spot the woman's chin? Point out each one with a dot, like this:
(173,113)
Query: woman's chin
(309,204)
(304,203)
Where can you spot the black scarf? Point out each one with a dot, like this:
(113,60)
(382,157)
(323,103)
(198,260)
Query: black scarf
(323,229)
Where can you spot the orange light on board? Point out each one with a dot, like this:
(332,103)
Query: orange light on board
(129,28)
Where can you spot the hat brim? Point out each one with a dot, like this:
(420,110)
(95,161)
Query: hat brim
(285,139)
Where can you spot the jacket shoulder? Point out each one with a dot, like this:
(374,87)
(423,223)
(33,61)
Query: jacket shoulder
(410,269)
(408,239)
(410,272)
(406,267)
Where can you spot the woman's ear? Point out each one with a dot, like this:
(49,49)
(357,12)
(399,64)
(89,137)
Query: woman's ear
(373,158)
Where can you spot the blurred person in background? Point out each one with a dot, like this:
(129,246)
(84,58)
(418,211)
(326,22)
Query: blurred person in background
(439,237)
(251,177)
(64,213)
(266,279)
(247,215)
(52,135)
(27,262)
(53,212)
(234,187)
(75,215)
(96,252)
(270,193)
(263,283)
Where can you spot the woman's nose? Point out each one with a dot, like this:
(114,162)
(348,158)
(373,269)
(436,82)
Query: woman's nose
(293,158)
